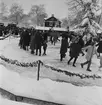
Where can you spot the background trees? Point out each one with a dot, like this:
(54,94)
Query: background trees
(16,13)
(78,8)
(3,11)
(37,14)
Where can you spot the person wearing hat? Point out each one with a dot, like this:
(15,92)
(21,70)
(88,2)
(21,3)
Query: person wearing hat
(91,50)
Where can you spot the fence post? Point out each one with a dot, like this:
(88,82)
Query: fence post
(38,74)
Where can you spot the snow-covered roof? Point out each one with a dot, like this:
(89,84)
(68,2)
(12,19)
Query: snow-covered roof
(48,28)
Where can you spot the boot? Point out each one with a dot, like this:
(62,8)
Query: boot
(74,65)
(88,70)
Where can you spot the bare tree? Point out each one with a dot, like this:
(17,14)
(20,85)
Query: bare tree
(65,22)
(79,8)
(16,13)
(38,13)
(3,10)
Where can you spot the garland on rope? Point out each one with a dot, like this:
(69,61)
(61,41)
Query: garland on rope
(82,76)
(35,64)
(21,64)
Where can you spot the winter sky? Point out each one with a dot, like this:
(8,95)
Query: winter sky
(56,7)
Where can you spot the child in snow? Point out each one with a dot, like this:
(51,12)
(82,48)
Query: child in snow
(91,49)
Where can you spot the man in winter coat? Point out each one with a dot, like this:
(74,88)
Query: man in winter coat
(26,39)
(38,42)
(32,41)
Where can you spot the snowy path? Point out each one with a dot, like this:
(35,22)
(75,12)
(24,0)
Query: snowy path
(11,50)
(22,81)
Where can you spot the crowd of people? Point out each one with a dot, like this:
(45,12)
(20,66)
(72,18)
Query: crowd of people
(36,39)
(77,44)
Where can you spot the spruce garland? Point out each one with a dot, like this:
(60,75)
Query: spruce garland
(35,64)
(82,76)
(22,64)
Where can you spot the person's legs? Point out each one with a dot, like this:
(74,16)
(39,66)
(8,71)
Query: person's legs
(70,60)
(74,61)
(32,51)
(40,51)
(88,67)
(24,47)
(44,48)
(61,57)
(36,51)
(82,64)
(99,54)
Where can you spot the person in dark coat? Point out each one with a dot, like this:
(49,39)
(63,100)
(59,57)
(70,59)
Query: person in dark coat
(64,46)
(75,49)
(45,39)
(45,36)
(38,42)
(26,39)
(1,32)
(21,42)
(99,49)
(81,42)
(32,41)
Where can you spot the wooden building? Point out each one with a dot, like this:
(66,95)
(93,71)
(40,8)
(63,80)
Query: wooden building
(52,22)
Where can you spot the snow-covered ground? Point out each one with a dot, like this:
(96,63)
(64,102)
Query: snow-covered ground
(22,81)
(49,90)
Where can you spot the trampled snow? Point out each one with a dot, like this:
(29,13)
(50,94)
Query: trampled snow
(21,81)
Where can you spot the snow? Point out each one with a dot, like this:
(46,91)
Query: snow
(49,90)
(4,101)
(22,81)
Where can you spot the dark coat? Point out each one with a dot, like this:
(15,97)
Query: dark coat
(75,49)
(26,38)
(45,35)
(99,49)
(81,42)
(32,41)
(1,32)
(38,40)
(64,46)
